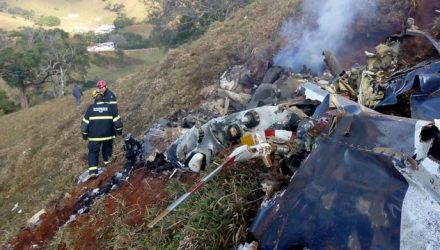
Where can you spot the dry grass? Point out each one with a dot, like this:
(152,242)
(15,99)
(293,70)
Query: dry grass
(40,155)
(216,217)
(8,22)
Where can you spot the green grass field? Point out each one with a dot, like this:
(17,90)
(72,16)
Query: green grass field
(112,66)
(77,13)
(143,30)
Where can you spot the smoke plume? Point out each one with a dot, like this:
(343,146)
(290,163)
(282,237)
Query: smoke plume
(325,25)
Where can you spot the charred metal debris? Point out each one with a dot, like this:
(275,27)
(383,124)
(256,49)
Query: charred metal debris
(353,154)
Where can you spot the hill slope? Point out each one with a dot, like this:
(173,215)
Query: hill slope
(41,151)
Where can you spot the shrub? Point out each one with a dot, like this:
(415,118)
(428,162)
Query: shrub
(6,105)
(49,21)
(122,20)
(134,41)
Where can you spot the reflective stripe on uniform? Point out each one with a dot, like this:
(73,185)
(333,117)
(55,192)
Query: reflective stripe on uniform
(85,121)
(101,117)
(118,129)
(116,118)
(102,138)
(113,102)
(107,162)
(93,168)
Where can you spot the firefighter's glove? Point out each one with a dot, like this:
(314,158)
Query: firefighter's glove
(84,137)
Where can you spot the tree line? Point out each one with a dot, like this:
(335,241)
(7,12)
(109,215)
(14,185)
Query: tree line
(37,56)
(180,21)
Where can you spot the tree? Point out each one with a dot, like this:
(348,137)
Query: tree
(67,56)
(153,8)
(39,56)
(122,20)
(22,69)
(118,8)
(180,21)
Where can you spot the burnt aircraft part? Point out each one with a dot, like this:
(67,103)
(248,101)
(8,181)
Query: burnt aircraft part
(343,190)
(332,63)
(424,77)
(217,133)
(425,107)
(251,119)
(322,108)
(307,106)
(272,74)
(265,94)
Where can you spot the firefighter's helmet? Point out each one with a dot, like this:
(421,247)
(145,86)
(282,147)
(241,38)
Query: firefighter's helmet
(96,93)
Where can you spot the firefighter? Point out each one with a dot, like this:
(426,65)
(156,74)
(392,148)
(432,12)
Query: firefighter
(100,125)
(109,96)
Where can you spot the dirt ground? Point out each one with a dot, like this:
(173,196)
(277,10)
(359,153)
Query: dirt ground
(139,193)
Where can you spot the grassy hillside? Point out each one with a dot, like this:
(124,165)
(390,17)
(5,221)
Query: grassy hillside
(8,22)
(77,13)
(41,151)
(113,65)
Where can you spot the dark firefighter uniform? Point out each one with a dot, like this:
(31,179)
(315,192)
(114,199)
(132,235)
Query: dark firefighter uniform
(100,125)
(110,98)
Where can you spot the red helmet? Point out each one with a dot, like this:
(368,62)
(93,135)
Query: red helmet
(101,84)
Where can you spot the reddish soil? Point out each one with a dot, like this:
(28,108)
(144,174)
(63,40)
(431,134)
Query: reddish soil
(137,194)
(132,199)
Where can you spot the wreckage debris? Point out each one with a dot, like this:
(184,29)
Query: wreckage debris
(422,81)
(220,133)
(335,164)
(334,187)
(261,148)
(341,144)
(323,143)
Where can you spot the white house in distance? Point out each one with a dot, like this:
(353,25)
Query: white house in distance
(104,29)
(100,47)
